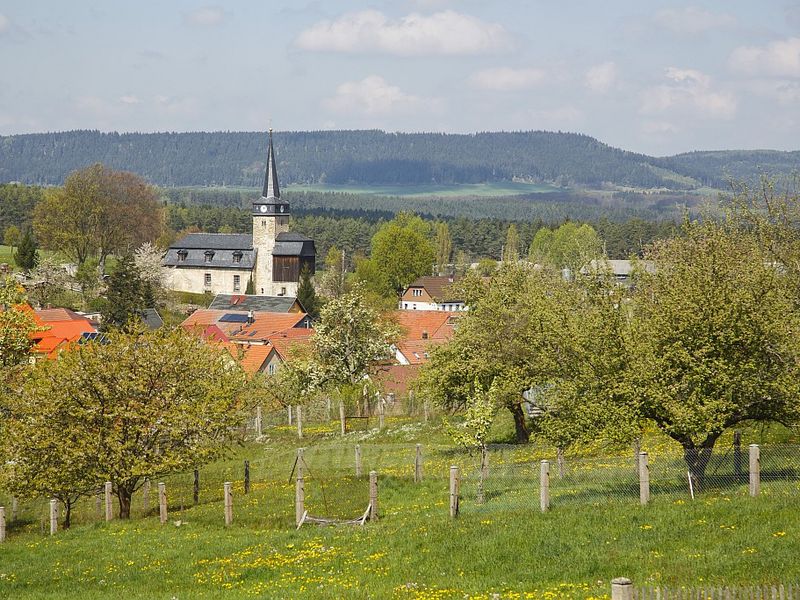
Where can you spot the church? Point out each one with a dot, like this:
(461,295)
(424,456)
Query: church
(269,260)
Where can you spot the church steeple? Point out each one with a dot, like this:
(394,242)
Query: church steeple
(271,189)
(270,202)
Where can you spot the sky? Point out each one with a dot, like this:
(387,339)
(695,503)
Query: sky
(658,77)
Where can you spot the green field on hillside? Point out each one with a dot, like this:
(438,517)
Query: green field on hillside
(6,256)
(484,190)
(595,531)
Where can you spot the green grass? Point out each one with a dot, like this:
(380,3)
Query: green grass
(483,190)
(595,531)
(6,256)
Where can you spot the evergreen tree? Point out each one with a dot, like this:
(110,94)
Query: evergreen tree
(251,288)
(306,293)
(444,248)
(127,296)
(27,255)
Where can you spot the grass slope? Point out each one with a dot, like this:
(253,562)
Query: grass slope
(595,531)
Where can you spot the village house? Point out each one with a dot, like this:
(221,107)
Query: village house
(59,328)
(269,260)
(431,293)
(421,330)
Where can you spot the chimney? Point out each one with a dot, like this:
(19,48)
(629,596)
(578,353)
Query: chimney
(250,318)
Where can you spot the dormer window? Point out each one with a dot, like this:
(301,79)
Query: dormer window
(182,254)
(209,254)
(237,257)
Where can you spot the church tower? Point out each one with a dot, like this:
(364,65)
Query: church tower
(270,218)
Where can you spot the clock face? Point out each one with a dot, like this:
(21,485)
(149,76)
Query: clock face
(263,208)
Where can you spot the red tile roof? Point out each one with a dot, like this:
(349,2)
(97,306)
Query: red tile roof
(252,358)
(265,324)
(438,288)
(60,328)
(414,324)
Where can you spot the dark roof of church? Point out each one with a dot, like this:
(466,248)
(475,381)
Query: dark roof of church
(215,241)
(254,303)
(288,243)
(271,189)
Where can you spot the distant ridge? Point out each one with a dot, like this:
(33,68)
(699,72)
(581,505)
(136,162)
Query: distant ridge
(370,157)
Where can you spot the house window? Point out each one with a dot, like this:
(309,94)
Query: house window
(272,368)
(208,279)
(236,283)
(209,255)
(237,257)
(182,254)
(417,292)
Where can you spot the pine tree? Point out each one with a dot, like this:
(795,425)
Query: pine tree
(306,293)
(251,288)
(27,255)
(127,296)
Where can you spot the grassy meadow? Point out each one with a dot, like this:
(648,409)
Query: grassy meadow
(595,531)
(484,190)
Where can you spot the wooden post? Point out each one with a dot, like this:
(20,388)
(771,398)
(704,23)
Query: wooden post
(755,470)
(644,479)
(196,488)
(358,460)
(228,503)
(737,453)
(109,506)
(146,496)
(162,502)
(454,485)
(484,472)
(341,417)
(380,413)
(418,464)
(2,524)
(259,422)
(53,516)
(300,462)
(373,495)
(247,477)
(621,589)
(290,414)
(544,485)
(299,415)
(299,499)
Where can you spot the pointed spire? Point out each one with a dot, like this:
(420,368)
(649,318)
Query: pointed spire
(271,189)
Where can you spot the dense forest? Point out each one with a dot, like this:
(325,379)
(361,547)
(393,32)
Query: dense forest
(374,157)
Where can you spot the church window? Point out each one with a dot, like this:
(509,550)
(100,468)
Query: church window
(236,283)
(208,280)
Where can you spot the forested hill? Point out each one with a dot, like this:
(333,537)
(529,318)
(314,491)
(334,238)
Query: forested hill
(373,157)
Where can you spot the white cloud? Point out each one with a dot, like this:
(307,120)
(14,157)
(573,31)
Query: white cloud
(206,16)
(692,20)
(446,32)
(689,90)
(5,23)
(658,127)
(779,58)
(374,96)
(507,79)
(129,99)
(600,78)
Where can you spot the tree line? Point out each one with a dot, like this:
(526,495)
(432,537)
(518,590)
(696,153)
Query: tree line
(372,157)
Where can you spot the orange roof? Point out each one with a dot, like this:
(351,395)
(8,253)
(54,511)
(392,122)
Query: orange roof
(264,323)
(252,358)
(49,315)
(416,351)
(60,328)
(287,346)
(414,324)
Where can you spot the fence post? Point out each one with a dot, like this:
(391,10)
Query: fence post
(109,506)
(146,495)
(53,516)
(380,413)
(358,460)
(621,589)
(341,417)
(454,485)
(290,413)
(373,495)
(418,464)
(482,476)
(247,477)
(544,485)
(196,490)
(259,421)
(300,461)
(228,503)
(644,479)
(755,470)
(2,524)
(299,499)
(162,502)
(299,415)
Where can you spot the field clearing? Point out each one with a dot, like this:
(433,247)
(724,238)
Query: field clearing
(484,190)
(6,255)
(595,531)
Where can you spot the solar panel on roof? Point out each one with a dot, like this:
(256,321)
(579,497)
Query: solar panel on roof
(232,318)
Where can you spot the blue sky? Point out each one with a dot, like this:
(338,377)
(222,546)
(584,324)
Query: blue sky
(650,76)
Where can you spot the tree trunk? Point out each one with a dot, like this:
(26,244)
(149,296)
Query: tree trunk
(67,513)
(697,460)
(124,496)
(520,426)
